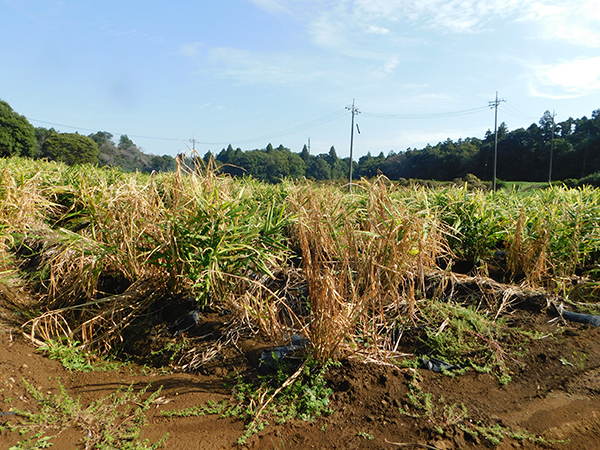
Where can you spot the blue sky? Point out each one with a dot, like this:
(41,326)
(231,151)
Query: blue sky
(250,72)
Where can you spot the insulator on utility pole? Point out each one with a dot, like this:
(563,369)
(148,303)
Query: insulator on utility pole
(494,104)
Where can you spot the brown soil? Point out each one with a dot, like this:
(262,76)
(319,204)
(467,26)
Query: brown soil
(553,394)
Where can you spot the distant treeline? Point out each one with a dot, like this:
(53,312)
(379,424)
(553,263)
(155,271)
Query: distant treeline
(523,155)
(573,146)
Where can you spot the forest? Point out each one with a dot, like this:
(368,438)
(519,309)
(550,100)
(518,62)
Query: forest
(546,151)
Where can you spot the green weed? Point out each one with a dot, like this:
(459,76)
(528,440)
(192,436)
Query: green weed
(73,358)
(304,398)
(108,423)
(442,417)
(466,337)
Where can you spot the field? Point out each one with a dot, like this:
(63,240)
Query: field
(374,288)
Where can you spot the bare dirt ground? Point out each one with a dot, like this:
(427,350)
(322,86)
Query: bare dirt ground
(553,395)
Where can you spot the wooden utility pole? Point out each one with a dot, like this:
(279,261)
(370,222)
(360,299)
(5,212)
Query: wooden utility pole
(551,149)
(354,111)
(494,104)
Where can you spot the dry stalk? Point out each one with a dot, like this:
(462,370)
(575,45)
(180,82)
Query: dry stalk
(98,324)
(361,254)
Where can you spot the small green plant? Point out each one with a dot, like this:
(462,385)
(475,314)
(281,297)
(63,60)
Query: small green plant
(580,360)
(111,422)
(173,349)
(364,435)
(566,362)
(443,416)
(278,397)
(74,359)
(467,337)
(496,433)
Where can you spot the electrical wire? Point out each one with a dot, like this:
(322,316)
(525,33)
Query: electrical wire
(514,112)
(95,131)
(305,126)
(426,115)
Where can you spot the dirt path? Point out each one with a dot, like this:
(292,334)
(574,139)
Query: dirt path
(553,395)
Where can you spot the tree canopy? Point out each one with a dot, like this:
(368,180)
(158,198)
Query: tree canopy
(70,148)
(17,135)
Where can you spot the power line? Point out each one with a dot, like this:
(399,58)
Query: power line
(439,115)
(93,131)
(305,126)
(516,113)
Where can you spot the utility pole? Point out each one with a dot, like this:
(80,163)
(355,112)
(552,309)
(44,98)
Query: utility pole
(354,111)
(551,150)
(585,149)
(495,104)
(193,142)
(308,148)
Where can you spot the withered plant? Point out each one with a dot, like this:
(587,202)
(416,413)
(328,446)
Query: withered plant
(363,255)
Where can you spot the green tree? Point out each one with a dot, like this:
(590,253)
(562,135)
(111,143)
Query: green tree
(102,137)
(41,134)
(17,135)
(318,168)
(71,148)
(125,143)
(164,163)
(305,154)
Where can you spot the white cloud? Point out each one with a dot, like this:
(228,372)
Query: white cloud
(272,6)
(378,30)
(247,67)
(465,16)
(389,66)
(567,79)
(328,32)
(190,50)
(577,21)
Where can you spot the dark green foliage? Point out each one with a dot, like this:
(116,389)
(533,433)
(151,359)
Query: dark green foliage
(590,180)
(41,134)
(17,135)
(70,148)
(271,165)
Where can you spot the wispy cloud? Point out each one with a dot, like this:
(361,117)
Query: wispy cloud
(112,30)
(389,66)
(378,30)
(567,79)
(466,16)
(245,67)
(576,21)
(272,6)
(191,49)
